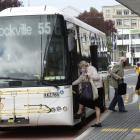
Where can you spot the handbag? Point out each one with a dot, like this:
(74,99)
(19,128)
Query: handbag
(86,96)
(122,88)
(94,90)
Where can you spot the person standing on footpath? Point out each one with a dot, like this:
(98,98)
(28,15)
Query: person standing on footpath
(98,103)
(138,81)
(96,82)
(117,74)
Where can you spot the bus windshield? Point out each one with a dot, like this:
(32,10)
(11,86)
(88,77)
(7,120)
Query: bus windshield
(32,47)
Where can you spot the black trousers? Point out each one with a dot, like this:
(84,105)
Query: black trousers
(100,102)
(101,98)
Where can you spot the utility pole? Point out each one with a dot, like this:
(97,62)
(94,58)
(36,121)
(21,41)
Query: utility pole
(28,2)
(131,48)
(45,2)
(122,38)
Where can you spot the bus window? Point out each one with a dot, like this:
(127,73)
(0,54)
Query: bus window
(71,40)
(55,52)
(20,47)
(31,46)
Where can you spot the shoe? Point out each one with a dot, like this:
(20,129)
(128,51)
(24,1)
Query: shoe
(112,110)
(123,111)
(77,116)
(96,125)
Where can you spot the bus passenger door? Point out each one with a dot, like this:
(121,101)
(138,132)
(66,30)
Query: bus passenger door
(94,57)
(72,48)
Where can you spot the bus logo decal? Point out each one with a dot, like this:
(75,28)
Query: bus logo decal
(61,91)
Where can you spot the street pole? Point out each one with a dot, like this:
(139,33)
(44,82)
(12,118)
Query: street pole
(131,49)
(113,43)
(28,2)
(122,39)
(45,2)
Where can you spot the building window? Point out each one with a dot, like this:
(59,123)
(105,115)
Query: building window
(126,36)
(126,12)
(120,37)
(107,13)
(119,12)
(135,36)
(133,22)
(123,36)
(126,23)
(137,49)
(119,22)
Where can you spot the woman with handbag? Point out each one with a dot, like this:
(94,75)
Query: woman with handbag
(89,75)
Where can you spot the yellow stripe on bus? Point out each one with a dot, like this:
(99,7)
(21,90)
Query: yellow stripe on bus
(23,111)
(27,91)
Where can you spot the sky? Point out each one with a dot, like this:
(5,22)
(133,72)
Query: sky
(81,5)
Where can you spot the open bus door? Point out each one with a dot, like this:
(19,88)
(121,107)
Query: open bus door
(94,55)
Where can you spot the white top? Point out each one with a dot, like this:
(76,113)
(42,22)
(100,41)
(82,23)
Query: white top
(93,74)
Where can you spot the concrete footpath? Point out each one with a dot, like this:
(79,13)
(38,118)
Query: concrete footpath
(134,135)
(116,126)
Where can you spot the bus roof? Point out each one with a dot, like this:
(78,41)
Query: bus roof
(35,10)
(43,10)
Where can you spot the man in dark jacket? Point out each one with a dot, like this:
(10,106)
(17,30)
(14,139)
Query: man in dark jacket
(117,75)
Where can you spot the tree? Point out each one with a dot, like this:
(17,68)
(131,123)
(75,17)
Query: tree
(93,18)
(96,19)
(109,30)
(9,3)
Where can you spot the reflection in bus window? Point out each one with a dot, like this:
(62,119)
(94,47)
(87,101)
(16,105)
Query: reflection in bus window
(56,54)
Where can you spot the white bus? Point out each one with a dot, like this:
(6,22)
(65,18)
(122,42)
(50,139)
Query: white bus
(40,49)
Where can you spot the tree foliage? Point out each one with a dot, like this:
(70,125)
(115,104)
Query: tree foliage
(9,3)
(96,19)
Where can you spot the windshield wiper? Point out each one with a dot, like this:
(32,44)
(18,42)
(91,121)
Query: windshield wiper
(49,84)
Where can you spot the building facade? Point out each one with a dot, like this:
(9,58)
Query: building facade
(128,32)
